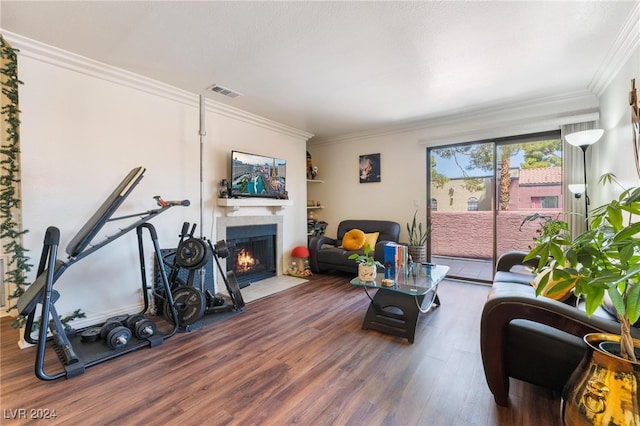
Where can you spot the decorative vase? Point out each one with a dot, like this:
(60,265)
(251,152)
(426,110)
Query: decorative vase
(367,273)
(603,389)
(418,253)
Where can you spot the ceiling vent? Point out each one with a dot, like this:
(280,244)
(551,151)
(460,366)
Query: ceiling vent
(224,91)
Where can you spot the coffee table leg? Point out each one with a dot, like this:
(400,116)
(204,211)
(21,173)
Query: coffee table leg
(393,313)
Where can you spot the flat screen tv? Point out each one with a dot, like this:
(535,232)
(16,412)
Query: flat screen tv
(254,175)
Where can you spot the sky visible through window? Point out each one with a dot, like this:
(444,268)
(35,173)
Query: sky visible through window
(449,168)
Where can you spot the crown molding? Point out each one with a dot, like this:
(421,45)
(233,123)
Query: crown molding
(544,113)
(627,41)
(58,57)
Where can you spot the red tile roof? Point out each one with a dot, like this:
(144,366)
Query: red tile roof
(545,175)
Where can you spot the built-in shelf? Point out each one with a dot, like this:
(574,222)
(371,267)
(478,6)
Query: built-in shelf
(234,204)
(314,181)
(313,207)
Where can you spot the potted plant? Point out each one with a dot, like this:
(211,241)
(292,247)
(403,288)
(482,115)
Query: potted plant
(603,263)
(417,238)
(367,265)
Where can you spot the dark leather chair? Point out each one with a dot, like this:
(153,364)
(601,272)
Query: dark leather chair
(326,253)
(530,338)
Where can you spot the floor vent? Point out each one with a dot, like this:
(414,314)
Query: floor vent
(224,91)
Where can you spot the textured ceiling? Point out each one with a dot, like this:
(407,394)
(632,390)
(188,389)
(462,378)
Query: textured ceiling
(333,68)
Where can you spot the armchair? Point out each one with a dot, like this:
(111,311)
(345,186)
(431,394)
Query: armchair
(530,338)
(326,252)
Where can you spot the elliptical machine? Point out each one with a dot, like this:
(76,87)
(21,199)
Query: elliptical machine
(192,300)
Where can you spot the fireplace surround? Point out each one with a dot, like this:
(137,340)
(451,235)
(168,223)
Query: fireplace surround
(225,222)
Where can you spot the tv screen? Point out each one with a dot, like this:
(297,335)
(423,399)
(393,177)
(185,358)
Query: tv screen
(254,175)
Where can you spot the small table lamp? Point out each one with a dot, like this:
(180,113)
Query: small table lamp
(302,255)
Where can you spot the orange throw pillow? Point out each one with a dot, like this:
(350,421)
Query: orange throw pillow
(353,240)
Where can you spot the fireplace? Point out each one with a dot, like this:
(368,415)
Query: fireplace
(252,252)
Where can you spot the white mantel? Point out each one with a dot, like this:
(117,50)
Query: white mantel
(234,204)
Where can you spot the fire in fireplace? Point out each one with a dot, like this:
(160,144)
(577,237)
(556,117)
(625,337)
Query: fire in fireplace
(253,252)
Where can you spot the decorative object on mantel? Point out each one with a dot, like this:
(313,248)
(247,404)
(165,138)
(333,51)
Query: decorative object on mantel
(312,171)
(223,189)
(634,102)
(300,265)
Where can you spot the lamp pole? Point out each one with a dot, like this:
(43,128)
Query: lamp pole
(586,194)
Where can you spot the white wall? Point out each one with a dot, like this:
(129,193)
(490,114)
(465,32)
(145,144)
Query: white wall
(85,125)
(404,160)
(614,152)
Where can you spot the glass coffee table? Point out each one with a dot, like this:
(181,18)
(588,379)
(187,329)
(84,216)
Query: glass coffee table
(395,310)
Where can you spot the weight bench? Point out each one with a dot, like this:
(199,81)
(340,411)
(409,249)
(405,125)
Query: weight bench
(75,353)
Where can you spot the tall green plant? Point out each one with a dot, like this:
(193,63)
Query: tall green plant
(417,233)
(604,259)
(10,229)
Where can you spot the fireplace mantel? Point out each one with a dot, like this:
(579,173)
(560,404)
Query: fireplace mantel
(234,204)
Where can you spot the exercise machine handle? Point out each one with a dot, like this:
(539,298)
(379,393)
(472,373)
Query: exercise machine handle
(163,203)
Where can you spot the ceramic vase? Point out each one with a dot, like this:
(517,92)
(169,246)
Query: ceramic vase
(367,273)
(418,253)
(603,390)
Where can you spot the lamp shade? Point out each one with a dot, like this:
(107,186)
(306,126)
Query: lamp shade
(300,251)
(577,188)
(584,138)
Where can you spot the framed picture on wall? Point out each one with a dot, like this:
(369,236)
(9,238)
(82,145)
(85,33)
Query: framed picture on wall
(369,167)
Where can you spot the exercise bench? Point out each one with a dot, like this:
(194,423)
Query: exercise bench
(75,352)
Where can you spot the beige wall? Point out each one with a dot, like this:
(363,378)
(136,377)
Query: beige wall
(402,189)
(85,125)
(614,152)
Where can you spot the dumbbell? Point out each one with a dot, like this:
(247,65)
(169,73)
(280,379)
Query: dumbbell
(115,334)
(93,334)
(141,326)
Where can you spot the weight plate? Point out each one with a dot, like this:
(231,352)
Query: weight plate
(122,319)
(133,319)
(144,328)
(167,312)
(90,334)
(189,304)
(107,327)
(192,253)
(221,249)
(234,290)
(118,337)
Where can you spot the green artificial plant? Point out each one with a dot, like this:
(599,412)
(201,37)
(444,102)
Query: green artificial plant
(10,230)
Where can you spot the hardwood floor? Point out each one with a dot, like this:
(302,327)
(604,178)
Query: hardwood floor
(299,356)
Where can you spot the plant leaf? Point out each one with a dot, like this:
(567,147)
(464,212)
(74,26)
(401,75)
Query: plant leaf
(633,303)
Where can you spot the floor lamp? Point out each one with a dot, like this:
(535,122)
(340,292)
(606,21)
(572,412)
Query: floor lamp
(583,140)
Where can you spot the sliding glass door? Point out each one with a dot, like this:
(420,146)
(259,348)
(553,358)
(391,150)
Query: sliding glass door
(489,197)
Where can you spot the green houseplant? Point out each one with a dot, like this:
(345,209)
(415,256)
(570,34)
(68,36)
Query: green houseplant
(418,235)
(367,264)
(605,259)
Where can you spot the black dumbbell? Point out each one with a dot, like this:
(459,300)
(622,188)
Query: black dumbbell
(141,326)
(115,334)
